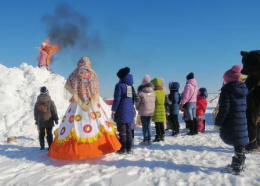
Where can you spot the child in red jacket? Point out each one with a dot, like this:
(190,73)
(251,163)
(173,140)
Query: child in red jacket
(201,107)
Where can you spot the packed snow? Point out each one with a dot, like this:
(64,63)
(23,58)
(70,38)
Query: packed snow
(181,160)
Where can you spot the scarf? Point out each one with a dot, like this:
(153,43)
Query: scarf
(83,84)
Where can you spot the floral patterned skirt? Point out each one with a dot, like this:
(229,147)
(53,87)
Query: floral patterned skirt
(84,134)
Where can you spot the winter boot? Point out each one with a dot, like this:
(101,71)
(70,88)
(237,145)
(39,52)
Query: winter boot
(238,161)
(162,137)
(175,132)
(252,148)
(50,140)
(129,147)
(41,140)
(191,124)
(158,132)
(156,139)
(204,125)
(195,125)
(122,149)
(237,165)
(186,124)
(178,128)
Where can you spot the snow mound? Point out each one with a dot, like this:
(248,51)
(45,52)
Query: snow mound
(19,88)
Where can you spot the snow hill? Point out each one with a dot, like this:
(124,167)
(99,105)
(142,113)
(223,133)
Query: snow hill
(19,88)
(182,160)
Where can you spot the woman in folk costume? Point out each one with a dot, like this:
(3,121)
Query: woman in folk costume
(85,131)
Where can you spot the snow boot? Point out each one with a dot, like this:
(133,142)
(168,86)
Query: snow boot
(191,124)
(195,125)
(156,139)
(41,140)
(129,147)
(175,133)
(50,140)
(162,137)
(176,126)
(122,149)
(158,132)
(176,130)
(237,164)
(204,125)
(252,148)
(187,125)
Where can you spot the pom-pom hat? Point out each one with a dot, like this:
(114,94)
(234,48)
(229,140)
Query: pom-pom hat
(146,79)
(44,90)
(233,74)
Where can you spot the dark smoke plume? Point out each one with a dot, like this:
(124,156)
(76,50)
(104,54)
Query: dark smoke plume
(70,29)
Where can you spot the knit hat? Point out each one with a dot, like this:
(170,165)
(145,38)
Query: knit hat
(233,74)
(44,90)
(174,86)
(146,79)
(123,72)
(190,76)
(157,82)
(203,92)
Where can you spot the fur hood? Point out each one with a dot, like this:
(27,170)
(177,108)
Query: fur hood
(146,87)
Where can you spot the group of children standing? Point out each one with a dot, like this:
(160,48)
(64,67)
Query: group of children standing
(231,118)
(150,101)
(193,105)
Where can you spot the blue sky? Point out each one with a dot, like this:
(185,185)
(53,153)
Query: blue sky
(165,39)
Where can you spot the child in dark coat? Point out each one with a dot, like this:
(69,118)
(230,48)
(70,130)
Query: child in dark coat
(175,98)
(201,107)
(231,117)
(45,114)
(123,108)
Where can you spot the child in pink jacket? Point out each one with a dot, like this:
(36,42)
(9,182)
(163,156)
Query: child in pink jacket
(188,103)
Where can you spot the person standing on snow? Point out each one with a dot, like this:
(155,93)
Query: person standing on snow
(146,107)
(85,131)
(159,116)
(201,107)
(231,117)
(123,108)
(188,103)
(175,99)
(45,114)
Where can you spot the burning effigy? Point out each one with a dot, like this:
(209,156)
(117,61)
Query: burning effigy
(46,52)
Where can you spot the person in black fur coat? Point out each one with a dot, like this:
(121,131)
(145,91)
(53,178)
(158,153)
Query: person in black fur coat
(251,68)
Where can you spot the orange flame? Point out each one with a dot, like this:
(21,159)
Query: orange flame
(50,49)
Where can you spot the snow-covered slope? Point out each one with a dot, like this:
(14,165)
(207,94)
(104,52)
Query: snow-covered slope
(19,88)
(183,160)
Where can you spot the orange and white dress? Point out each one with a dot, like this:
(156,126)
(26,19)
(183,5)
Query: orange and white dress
(84,134)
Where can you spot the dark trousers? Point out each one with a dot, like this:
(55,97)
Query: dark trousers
(125,134)
(159,129)
(49,136)
(175,122)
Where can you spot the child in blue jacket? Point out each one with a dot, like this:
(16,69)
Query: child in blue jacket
(175,98)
